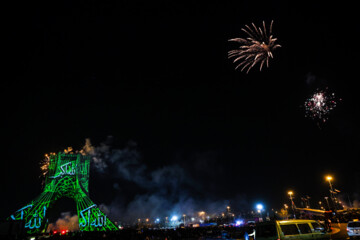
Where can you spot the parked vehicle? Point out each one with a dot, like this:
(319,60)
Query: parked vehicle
(291,230)
(353,229)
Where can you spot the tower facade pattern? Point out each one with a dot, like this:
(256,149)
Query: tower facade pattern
(68,176)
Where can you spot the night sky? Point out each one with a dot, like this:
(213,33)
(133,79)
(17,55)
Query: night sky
(154,75)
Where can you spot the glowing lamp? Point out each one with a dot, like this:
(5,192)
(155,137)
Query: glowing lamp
(259,207)
(329,178)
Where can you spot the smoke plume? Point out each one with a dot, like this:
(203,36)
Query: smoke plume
(65,222)
(160,192)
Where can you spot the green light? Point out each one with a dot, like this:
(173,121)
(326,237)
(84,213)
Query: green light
(68,176)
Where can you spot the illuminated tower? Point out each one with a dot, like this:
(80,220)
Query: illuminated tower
(68,176)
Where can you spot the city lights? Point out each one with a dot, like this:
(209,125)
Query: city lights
(239,222)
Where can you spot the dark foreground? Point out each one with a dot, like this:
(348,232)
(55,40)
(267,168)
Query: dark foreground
(203,233)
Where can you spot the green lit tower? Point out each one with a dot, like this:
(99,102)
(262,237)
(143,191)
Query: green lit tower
(68,176)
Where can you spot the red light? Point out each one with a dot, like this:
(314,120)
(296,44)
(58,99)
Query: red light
(55,232)
(63,231)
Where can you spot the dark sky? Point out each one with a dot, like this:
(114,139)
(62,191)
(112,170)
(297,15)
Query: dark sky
(156,73)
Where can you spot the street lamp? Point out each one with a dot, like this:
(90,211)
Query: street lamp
(184,219)
(286,211)
(202,215)
(329,178)
(292,202)
(327,201)
(174,219)
(259,207)
(228,209)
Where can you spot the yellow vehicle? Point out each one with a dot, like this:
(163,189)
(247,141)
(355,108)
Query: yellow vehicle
(291,230)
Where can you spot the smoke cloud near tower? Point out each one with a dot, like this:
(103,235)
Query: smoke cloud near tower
(160,192)
(65,222)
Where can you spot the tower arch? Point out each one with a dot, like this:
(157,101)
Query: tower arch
(68,176)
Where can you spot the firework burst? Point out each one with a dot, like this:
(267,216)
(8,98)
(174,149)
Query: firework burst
(44,165)
(44,168)
(319,105)
(258,47)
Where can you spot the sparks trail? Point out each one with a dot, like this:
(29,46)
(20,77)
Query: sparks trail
(44,164)
(258,47)
(44,168)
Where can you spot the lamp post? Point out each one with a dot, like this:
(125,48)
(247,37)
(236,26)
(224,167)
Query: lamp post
(202,215)
(329,178)
(292,202)
(327,201)
(286,211)
(259,208)
(307,201)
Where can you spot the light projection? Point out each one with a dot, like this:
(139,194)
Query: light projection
(67,176)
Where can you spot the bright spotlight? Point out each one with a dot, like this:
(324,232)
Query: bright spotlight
(239,222)
(174,218)
(259,207)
